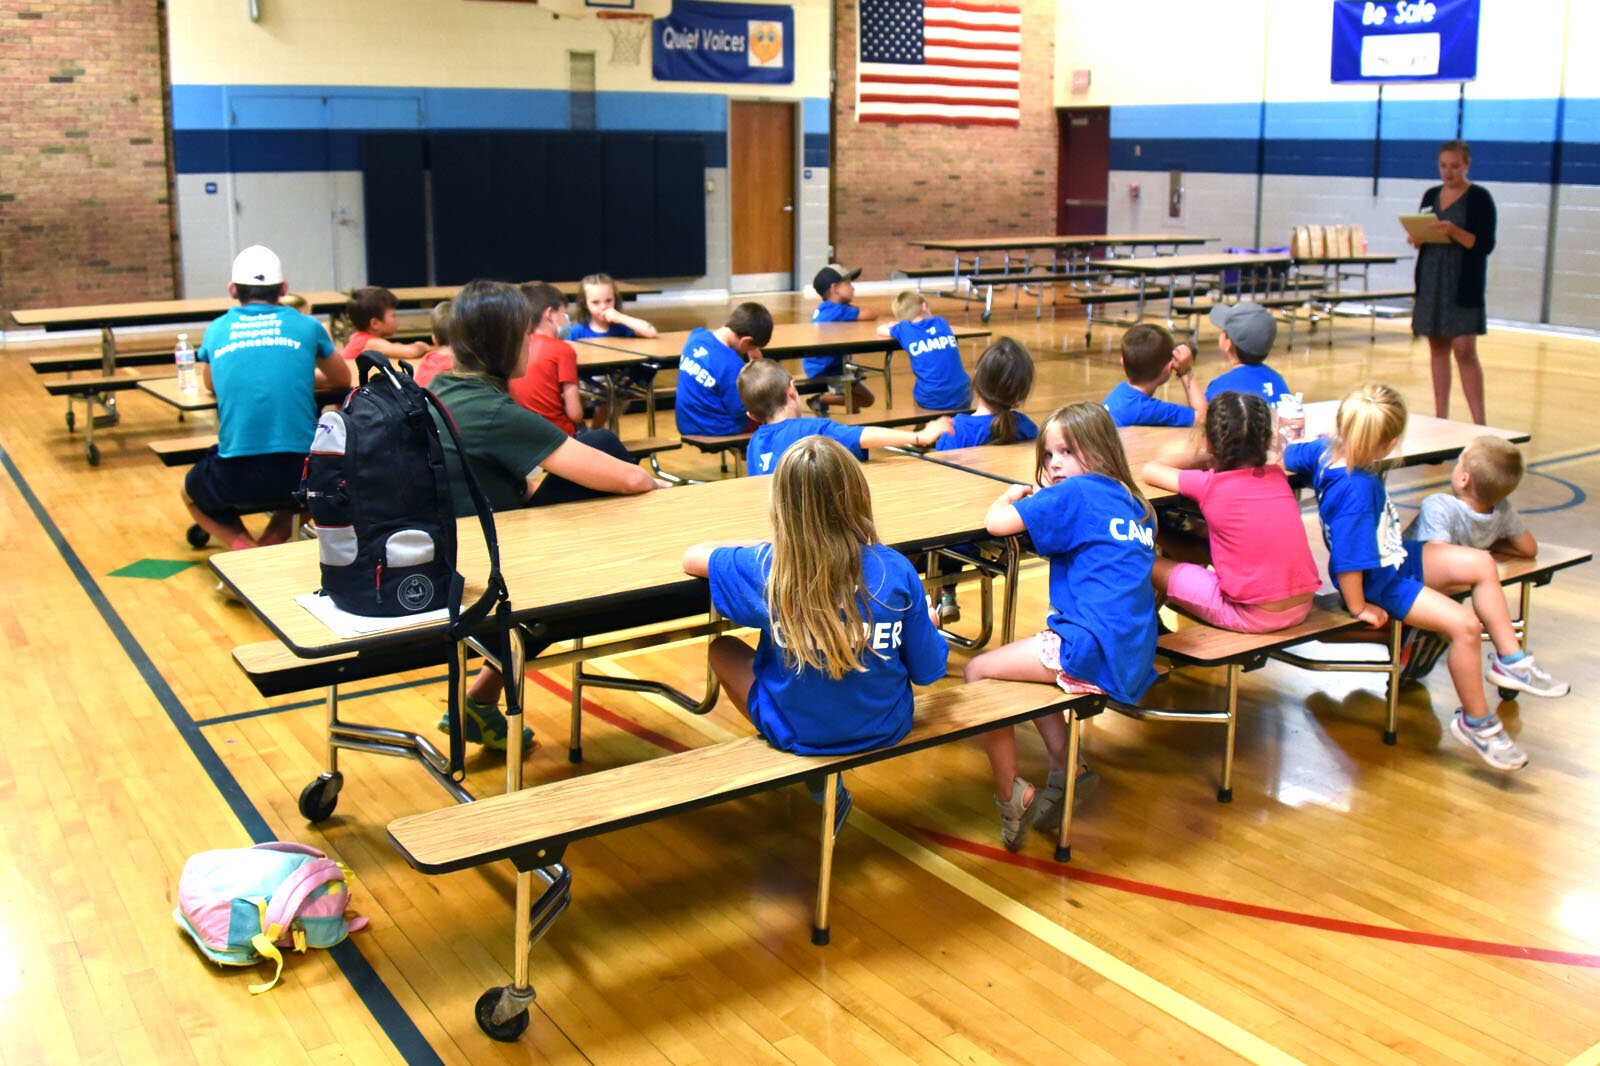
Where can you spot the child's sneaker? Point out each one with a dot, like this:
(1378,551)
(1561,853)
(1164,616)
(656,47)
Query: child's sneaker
(949,607)
(485,725)
(1017,813)
(1489,740)
(1523,675)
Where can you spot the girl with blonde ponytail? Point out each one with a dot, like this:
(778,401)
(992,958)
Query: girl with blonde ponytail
(844,625)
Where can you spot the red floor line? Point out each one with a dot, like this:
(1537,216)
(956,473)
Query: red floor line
(1271,914)
(627,725)
(1142,888)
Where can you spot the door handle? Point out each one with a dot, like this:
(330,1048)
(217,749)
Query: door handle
(1071,202)
(788,207)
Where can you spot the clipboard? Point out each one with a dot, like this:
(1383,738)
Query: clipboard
(1419,226)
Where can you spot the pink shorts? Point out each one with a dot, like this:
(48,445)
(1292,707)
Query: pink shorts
(1195,589)
(1047,645)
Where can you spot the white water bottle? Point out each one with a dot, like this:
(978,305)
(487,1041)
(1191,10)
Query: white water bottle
(188,373)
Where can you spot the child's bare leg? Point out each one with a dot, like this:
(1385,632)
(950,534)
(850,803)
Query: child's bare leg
(861,395)
(1161,573)
(1017,661)
(486,687)
(1438,613)
(231,534)
(733,661)
(279,526)
(1446,565)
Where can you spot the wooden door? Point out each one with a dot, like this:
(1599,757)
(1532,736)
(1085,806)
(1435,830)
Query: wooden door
(1083,170)
(761,150)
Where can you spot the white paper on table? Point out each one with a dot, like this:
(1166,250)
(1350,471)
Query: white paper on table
(346,625)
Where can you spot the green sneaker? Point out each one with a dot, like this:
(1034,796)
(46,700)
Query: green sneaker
(484,725)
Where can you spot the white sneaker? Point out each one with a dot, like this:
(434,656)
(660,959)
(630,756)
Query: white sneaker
(1489,741)
(1523,675)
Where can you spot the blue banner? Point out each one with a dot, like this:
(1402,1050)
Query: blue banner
(1405,40)
(725,42)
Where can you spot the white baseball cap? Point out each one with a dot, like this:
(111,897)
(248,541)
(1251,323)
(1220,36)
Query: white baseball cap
(257,265)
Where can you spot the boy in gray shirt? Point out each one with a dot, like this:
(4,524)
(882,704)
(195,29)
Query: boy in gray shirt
(1476,512)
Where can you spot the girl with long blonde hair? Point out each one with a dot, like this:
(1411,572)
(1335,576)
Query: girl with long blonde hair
(1088,517)
(844,624)
(1381,576)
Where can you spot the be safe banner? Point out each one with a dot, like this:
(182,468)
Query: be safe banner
(725,42)
(1405,40)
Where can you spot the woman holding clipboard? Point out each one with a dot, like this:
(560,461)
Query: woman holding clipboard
(1451,275)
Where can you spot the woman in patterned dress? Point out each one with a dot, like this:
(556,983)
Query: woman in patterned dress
(1450,278)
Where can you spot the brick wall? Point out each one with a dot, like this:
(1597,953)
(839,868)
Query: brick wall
(85,213)
(893,181)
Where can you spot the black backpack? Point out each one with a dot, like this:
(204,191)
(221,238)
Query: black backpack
(378,489)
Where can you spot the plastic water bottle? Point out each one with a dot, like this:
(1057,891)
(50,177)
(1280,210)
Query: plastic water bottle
(188,373)
(1291,417)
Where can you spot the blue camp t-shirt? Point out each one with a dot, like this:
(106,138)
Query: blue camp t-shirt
(941,381)
(769,442)
(1130,407)
(1102,606)
(806,712)
(828,366)
(1260,379)
(1359,523)
(708,387)
(582,331)
(971,431)
(263,364)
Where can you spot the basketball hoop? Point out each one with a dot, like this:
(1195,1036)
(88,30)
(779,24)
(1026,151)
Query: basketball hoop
(629,30)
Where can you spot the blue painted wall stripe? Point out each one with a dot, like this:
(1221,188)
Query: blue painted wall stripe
(1320,157)
(1435,120)
(391,1017)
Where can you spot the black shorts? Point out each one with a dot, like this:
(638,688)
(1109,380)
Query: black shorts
(224,489)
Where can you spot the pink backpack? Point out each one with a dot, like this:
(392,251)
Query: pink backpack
(242,904)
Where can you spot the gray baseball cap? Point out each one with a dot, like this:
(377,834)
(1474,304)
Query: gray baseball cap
(1250,326)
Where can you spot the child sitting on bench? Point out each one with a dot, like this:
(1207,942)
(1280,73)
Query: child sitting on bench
(1149,358)
(441,358)
(1380,576)
(371,311)
(1094,525)
(844,625)
(1248,333)
(1477,510)
(836,285)
(1263,576)
(598,317)
(1002,381)
(707,402)
(770,398)
(941,381)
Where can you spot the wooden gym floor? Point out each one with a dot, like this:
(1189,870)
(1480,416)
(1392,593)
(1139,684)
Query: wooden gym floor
(1355,902)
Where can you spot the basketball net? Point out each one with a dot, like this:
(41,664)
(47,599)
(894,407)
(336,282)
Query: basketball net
(629,30)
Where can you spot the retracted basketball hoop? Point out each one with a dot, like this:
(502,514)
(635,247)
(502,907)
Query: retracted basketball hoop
(629,30)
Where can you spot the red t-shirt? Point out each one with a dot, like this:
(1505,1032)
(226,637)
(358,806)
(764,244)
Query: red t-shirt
(1258,542)
(357,343)
(552,362)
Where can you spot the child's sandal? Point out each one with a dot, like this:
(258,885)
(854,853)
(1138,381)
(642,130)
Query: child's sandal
(1053,803)
(1017,813)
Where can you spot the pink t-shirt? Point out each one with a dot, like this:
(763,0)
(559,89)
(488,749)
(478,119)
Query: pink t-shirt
(434,363)
(1258,543)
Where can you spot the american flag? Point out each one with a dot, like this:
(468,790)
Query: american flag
(942,61)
